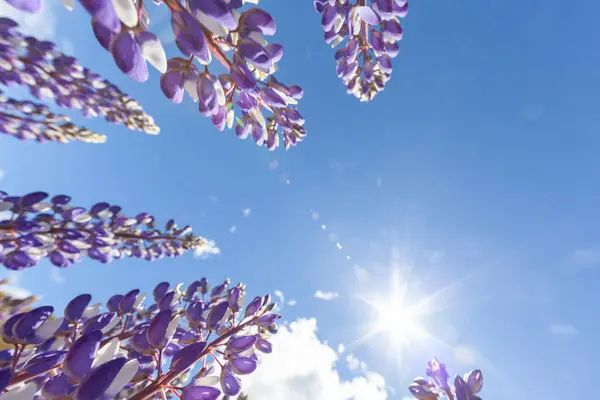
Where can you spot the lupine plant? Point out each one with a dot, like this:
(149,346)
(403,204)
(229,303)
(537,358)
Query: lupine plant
(369,35)
(203,30)
(38,227)
(27,120)
(192,343)
(437,386)
(49,74)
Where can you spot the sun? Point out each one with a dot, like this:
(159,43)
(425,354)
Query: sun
(393,315)
(398,320)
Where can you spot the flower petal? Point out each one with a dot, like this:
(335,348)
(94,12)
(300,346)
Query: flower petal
(127,12)
(153,50)
(201,393)
(187,356)
(128,56)
(367,14)
(80,357)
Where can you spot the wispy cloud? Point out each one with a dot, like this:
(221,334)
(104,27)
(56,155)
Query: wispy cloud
(209,249)
(67,47)
(465,355)
(585,257)
(280,299)
(41,25)
(292,303)
(355,364)
(563,329)
(56,276)
(246,212)
(233,229)
(435,256)
(361,274)
(1,174)
(326,295)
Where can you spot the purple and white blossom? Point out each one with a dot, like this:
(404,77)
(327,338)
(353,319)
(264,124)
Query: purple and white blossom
(368,34)
(437,387)
(49,74)
(123,352)
(27,120)
(36,227)
(204,30)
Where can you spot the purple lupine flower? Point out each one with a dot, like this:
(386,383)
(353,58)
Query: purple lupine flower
(53,229)
(203,30)
(438,386)
(84,361)
(438,373)
(48,73)
(26,120)
(368,33)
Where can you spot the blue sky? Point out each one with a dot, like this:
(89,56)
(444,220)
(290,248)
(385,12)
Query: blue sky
(476,168)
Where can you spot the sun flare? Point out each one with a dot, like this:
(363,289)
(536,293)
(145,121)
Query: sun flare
(394,316)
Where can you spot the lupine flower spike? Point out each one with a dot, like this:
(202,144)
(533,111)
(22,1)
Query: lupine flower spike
(36,226)
(205,337)
(438,387)
(203,30)
(368,34)
(27,120)
(49,74)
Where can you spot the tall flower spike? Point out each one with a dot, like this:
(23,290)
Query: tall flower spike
(48,73)
(27,120)
(39,228)
(146,353)
(367,33)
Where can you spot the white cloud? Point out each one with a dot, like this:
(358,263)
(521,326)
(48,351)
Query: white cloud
(352,362)
(341,348)
(326,295)
(273,164)
(563,329)
(280,299)
(292,303)
(435,256)
(246,212)
(585,257)
(56,276)
(67,47)
(302,367)
(41,25)
(362,275)
(233,229)
(465,355)
(1,174)
(209,249)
